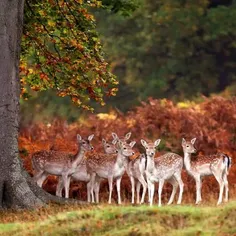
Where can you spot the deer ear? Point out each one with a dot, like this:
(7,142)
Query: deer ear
(132,143)
(114,141)
(193,140)
(114,135)
(104,141)
(183,141)
(119,144)
(143,142)
(127,136)
(79,138)
(157,142)
(90,137)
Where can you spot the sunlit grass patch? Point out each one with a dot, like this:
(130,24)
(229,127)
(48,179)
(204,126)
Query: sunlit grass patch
(127,220)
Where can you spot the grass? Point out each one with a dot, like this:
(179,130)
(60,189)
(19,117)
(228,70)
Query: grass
(121,220)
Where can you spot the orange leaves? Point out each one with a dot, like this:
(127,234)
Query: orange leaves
(213,124)
(61,50)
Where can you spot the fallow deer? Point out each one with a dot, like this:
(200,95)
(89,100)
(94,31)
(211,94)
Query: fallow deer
(81,173)
(166,167)
(135,170)
(108,167)
(217,165)
(59,163)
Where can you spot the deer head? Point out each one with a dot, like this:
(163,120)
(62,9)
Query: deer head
(109,148)
(188,146)
(150,147)
(126,149)
(85,143)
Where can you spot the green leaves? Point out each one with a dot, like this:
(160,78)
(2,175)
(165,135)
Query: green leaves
(61,51)
(176,49)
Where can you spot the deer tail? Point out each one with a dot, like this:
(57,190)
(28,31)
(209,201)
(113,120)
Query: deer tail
(228,162)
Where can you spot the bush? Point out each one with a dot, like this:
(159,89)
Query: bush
(212,122)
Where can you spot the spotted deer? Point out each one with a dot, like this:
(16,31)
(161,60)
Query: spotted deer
(109,167)
(217,165)
(60,163)
(167,167)
(81,173)
(135,170)
(98,179)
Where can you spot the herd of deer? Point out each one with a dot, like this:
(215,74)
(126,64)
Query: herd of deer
(145,170)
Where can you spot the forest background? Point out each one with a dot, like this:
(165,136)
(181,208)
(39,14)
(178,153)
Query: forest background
(175,61)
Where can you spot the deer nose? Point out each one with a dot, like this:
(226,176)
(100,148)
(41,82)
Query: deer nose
(92,148)
(152,153)
(132,153)
(116,151)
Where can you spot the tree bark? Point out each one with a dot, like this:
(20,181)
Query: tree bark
(14,189)
(17,190)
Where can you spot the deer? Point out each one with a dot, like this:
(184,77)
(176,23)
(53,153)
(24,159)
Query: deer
(98,180)
(167,167)
(81,173)
(108,167)
(135,170)
(217,165)
(60,163)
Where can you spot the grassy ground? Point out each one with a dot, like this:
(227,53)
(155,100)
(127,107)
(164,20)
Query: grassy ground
(121,220)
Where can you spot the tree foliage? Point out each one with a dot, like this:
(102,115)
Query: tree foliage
(61,51)
(173,48)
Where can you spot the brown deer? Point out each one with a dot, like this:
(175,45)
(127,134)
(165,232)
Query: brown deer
(59,163)
(81,173)
(111,167)
(217,165)
(167,167)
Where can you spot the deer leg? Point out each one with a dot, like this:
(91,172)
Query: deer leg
(37,178)
(97,188)
(59,187)
(142,181)
(161,183)
(138,186)
(149,188)
(118,189)
(221,184)
(226,187)
(174,184)
(152,189)
(92,185)
(110,182)
(198,189)
(132,188)
(42,179)
(67,186)
(64,181)
(88,191)
(181,186)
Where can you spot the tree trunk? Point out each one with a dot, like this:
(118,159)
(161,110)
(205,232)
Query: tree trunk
(16,187)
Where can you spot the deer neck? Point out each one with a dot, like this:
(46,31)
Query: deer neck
(187,161)
(121,160)
(150,163)
(78,158)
